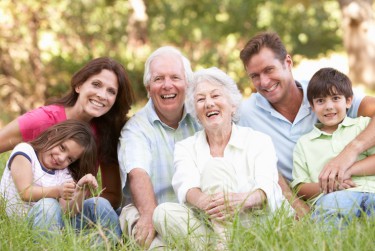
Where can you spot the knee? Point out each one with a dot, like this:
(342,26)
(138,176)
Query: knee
(98,204)
(47,206)
(46,213)
(164,210)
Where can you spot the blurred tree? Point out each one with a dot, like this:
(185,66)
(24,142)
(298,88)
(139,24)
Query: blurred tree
(358,24)
(43,42)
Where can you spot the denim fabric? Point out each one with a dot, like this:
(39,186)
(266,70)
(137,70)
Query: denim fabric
(46,214)
(342,206)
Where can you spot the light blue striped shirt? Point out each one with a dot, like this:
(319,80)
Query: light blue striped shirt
(147,143)
(257,113)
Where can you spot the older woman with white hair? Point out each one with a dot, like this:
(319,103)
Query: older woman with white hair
(224,170)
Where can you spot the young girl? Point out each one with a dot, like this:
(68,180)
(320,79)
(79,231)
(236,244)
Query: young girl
(51,175)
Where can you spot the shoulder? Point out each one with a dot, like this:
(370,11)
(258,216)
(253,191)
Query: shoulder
(50,114)
(247,132)
(23,149)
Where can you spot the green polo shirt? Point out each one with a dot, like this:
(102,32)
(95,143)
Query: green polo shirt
(314,149)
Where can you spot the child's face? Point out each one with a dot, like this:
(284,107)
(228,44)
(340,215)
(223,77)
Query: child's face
(331,110)
(61,156)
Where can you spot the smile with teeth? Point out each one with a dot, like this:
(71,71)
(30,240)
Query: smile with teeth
(212,113)
(273,87)
(330,115)
(168,96)
(96,103)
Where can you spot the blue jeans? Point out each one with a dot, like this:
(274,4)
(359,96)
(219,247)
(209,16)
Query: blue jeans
(46,214)
(342,206)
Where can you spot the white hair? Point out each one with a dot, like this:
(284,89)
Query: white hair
(165,50)
(218,77)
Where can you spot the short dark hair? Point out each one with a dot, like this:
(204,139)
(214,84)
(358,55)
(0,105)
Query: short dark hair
(329,81)
(78,131)
(269,40)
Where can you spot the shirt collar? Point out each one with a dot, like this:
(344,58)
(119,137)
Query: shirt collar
(235,139)
(153,116)
(316,132)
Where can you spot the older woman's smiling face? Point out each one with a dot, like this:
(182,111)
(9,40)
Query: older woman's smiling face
(213,106)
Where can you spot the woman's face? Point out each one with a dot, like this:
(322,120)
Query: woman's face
(97,94)
(212,105)
(61,156)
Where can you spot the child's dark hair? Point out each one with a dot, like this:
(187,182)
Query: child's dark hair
(78,131)
(329,81)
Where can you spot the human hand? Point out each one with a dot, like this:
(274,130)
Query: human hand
(347,183)
(66,190)
(144,231)
(87,181)
(223,206)
(334,170)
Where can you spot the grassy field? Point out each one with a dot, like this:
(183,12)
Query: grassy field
(281,233)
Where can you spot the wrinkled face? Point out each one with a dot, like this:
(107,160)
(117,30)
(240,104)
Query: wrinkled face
(97,94)
(331,110)
(271,78)
(61,156)
(167,86)
(212,105)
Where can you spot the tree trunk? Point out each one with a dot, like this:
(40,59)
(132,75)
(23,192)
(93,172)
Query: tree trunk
(137,24)
(358,24)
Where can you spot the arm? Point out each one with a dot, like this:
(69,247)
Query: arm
(144,200)
(10,136)
(362,167)
(298,205)
(111,184)
(22,175)
(366,139)
(308,190)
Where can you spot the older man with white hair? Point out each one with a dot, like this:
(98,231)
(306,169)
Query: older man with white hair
(147,143)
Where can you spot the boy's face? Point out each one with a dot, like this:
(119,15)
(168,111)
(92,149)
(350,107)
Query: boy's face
(331,110)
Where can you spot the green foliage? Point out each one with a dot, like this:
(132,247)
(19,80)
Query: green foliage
(42,43)
(280,233)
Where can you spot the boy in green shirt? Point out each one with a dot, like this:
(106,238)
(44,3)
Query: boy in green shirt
(330,95)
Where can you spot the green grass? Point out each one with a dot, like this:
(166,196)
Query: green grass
(281,233)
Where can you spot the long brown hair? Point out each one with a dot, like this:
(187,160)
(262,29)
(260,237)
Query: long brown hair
(110,124)
(78,131)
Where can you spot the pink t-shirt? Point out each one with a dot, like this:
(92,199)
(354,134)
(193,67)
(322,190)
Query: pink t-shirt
(36,121)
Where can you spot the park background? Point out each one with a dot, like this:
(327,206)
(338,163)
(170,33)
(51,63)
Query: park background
(43,42)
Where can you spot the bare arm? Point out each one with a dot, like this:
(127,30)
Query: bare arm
(363,167)
(144,200)
(308,190)
(22,175)
(111,183)
(10,136)
(298,205)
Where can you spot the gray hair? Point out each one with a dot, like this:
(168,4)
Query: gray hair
(218,77)
(165,50)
